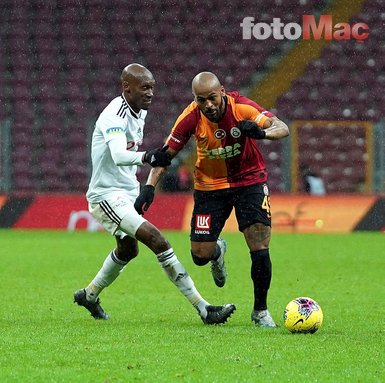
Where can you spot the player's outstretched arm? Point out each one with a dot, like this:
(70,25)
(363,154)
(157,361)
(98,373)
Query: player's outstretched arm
(157,157)
(147,193)
(275,129)
(272,129)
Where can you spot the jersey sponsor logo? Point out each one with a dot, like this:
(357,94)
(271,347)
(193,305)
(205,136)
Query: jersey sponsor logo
(265,189)
(220,134)
(114,130)
(235,132)
(202,222)
(223,153)
(133,145)
(201,232)
(130,145)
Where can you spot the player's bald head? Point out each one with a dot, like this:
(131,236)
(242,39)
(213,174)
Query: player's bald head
(205,82)
(209,95)
(135,72)
(138,86)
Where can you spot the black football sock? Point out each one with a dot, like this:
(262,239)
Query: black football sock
(261,276)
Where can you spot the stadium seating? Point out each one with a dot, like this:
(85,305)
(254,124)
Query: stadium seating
(345,83)
(337,153)
(62,60)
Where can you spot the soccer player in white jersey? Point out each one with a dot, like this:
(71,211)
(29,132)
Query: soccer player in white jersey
(114,187)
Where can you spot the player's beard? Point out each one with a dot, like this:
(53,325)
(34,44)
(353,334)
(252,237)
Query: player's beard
(221,112)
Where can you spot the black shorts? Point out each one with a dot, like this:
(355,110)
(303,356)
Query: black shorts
(213,208)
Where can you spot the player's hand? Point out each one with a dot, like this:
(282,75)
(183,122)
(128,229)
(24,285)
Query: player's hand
(157,157)
(144,199)
(251,129)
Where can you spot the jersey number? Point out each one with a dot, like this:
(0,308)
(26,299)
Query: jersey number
(266,205)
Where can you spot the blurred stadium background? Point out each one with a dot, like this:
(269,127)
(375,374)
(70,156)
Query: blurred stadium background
(60,63)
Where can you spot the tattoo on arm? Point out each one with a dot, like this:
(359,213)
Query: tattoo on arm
(275,129)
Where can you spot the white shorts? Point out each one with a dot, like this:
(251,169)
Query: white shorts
(110,212)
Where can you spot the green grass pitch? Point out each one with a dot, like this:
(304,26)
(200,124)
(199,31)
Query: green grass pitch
(154,335)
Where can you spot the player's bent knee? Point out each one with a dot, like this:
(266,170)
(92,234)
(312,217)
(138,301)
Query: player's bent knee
(126,252)
(199,260)
(152,238)
(126,256)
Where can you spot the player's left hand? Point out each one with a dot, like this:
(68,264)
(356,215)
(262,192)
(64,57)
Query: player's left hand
(251,129)
(157,157)
(144,199)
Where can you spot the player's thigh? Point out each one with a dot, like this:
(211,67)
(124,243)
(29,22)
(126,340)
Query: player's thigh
(118,215)
(257,236)
(252,205)
(211,210)
(252,209)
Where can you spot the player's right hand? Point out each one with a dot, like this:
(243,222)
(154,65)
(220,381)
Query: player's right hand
(157,157)
(144,199)
(251,129)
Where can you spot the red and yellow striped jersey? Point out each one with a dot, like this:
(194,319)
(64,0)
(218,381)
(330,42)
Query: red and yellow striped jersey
(225,158)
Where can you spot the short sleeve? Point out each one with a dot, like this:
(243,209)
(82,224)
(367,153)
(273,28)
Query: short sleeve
(112,127)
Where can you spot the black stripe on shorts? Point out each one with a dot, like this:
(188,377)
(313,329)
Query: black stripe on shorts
(109,212)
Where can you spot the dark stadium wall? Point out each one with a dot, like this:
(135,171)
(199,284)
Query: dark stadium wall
(374,219)
(290,213)
(11,208)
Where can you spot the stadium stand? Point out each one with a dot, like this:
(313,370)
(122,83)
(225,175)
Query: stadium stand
(345,83)
(336,151)
(61,63)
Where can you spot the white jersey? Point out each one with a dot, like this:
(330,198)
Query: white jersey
(116,122)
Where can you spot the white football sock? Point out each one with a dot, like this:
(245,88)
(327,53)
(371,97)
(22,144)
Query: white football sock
(179,276)
(110,270)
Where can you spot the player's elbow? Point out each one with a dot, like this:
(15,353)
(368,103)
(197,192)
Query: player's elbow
(118,159)
(286,131)
(283,128)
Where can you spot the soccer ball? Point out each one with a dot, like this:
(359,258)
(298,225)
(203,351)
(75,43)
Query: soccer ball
(303,315)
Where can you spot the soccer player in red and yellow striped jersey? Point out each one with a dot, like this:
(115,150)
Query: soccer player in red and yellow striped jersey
(229,173)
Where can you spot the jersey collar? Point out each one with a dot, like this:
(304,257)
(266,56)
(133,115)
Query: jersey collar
(133,113)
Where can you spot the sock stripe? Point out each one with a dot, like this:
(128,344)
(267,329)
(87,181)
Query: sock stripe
(116,259)
(168,254)
(109,212)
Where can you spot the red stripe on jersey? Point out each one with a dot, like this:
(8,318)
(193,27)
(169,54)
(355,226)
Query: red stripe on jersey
(239,99)
(184,127)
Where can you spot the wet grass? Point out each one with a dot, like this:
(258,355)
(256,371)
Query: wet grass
(155,336)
